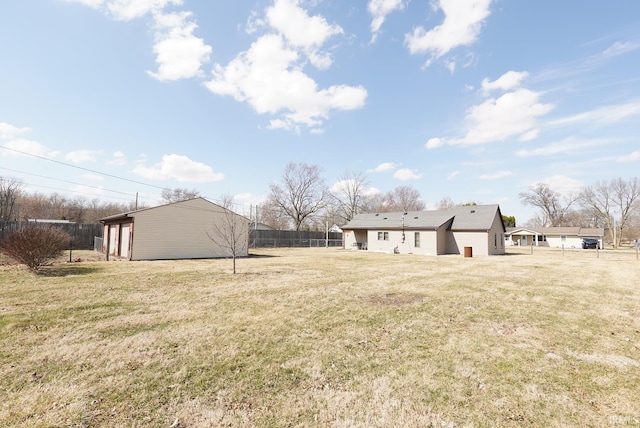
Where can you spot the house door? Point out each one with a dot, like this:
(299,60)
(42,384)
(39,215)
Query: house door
(124,240)
(523,241)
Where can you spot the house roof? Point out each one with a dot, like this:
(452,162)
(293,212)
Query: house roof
(132,213)
(476,217)
(551,231)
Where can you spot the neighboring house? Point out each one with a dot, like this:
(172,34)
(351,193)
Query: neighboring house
(180,230)
(558,237)
(335,228)
(479,228)
(44,220)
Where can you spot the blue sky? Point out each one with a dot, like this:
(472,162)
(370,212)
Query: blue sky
(474,100)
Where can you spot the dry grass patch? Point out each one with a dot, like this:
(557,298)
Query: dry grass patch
(317,337)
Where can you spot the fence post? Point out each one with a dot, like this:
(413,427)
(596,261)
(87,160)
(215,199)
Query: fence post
(70,249)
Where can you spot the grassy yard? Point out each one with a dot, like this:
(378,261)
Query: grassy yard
(324,337)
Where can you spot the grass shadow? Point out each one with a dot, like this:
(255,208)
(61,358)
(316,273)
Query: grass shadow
(262,256)
(62,270)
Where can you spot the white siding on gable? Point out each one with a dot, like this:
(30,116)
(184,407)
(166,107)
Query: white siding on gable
(177,231)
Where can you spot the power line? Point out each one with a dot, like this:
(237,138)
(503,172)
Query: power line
(66,181)
(82,168)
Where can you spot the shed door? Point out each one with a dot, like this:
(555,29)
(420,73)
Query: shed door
(113,239)
(124,240)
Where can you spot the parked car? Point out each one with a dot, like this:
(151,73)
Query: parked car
(590,243)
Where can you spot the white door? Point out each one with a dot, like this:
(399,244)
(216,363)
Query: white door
(124,240)
(113,239)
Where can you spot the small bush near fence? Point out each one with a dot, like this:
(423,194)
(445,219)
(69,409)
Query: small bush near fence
(292,238)
(81,236)
(35,246)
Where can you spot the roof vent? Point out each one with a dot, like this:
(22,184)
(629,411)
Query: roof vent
(384,218)
(377,214)
(473,211)
(416,217)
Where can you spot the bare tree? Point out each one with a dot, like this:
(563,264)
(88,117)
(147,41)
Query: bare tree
(349,195)
(614,203)
(10,190)
(446,203)
(271,215)
(553,205)
(375,203)
(178,194)
(404,198)
(301,193)
(231,233)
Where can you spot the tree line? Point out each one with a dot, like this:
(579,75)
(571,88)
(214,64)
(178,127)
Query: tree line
(19,205)
(610,204)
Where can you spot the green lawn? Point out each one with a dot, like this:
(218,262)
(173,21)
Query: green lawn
(324,337)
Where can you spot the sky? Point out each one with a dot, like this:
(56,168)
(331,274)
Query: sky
(473,100)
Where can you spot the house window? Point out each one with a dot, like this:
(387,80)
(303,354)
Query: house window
(383,236)
(563,238)
(416,240)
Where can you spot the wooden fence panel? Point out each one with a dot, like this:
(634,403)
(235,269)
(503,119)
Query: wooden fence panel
(82,235)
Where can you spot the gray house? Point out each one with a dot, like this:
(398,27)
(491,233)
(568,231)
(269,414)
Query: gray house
(558,237)
(477,229)
(181,230)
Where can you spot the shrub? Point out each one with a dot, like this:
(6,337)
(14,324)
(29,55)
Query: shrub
(35,246)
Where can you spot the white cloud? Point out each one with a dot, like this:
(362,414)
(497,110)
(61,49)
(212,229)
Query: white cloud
(269,78)
(602,116)
(453,175)
(379,9)
(179,53)
(11,138)
(384,167)
(405,174)
(126,10)
(8,131)
(434,143)
(508,81)
(497,175)
(93,177)
(302,31)
(180,168)
(118,158)
(619,48)
(461,27)
(568,145)
(80,156)
(514,114)
(344,185)
(562,184)
(20,146)
(91,3)
(631,157)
